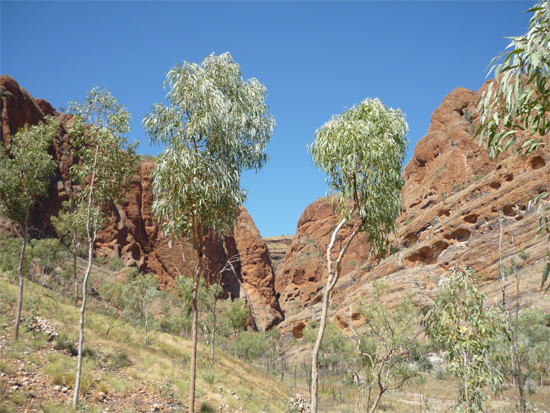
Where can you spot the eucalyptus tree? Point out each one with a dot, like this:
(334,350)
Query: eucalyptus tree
(106,165)
(459,321)
(215,126)
(362,152)
(70,226)
(138,292)
(515,107)
(24,167)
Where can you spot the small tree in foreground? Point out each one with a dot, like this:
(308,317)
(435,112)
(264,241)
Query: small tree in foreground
(388,338)
(71,230)
(23,181)
(107,163)
(216,126)
(459,322)
(140,290)
(362,151)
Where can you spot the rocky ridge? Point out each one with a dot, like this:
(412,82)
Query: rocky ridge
(132,234)
(460,209)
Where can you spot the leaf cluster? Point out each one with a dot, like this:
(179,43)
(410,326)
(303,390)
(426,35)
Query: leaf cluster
(362,151)
(518,102)
(216,126)
(25,166)
(461,323)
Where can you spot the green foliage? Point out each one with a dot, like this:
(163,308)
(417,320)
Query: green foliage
(459,321)
(516,104)
(237,314)
(514,108)
(216,126)
(10,253)
(475,178)
(334,344)
(115,264)
(389,333)
(206,407)
(362,151)
(456,187)
(99,137)
(25,166)
(208,376)
(532,343)
(120,359)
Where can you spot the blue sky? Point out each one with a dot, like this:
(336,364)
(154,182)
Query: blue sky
(316,59)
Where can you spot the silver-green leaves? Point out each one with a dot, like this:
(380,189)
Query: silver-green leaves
(362,151)
(216,126)
(515,107)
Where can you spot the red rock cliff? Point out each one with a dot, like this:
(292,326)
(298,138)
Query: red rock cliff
(133,234)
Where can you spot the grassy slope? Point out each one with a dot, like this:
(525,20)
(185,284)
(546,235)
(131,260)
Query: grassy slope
(157,374)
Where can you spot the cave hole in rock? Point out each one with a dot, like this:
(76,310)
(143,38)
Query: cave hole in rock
(495,185)
(537,162)
(509,177)
(421,162)
(444,212)
(508,211)
(428,254)
(519,218)
(523,207)
(428,204)
(410,240)
(499,168)
(460,234)
(298,330)
(471,218)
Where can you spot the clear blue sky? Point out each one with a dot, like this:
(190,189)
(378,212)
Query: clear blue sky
(316,59)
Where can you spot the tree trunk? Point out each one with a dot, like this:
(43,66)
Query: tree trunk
(81,325)
(21,282)
(213,335)
(198,247)
(333,275)
(75,278)
(146,322)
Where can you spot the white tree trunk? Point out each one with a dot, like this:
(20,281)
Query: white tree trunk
(21,282)
(81,326)
(333,274)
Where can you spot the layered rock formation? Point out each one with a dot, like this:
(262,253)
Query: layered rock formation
(461,209)
(304,271)
(132,233)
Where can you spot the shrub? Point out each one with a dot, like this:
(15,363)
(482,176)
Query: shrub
(120,359)
(440,373)
(208,376)
(206,408)
(115,264)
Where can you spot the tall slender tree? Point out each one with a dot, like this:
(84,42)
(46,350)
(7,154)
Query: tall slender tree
(24,169)
(362,152)
(106,165)
(216,126)
(71,230)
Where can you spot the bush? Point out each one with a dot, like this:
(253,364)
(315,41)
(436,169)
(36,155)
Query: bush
(440,373)
(115,264)
(206,408)
(120,359)
(530,386)
(208,376)
(63,343)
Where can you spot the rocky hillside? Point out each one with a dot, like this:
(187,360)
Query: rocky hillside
(132,233)
(278,246)
(460,209)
